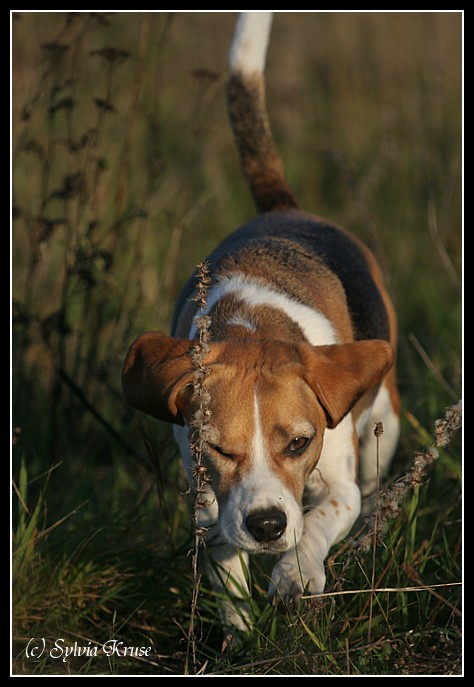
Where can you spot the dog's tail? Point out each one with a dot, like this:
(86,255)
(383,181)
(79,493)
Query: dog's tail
(260,160)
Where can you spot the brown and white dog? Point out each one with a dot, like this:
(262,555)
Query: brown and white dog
(301,367)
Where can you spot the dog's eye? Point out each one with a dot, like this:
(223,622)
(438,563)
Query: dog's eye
(220,451)
(299,445)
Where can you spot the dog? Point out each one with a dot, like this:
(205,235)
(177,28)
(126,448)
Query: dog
(301,366)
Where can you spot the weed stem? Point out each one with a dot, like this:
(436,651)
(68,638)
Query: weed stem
(198,440)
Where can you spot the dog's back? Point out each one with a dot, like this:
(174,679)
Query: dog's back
(293,251)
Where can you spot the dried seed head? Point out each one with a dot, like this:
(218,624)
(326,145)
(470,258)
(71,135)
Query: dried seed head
(378,429)
(390,497)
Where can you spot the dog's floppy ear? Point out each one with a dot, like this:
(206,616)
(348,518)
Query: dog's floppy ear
(341,373)
(156,368)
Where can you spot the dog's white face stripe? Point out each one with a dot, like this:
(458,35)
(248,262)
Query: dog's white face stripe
(316,327)
(259,450)
(260,489)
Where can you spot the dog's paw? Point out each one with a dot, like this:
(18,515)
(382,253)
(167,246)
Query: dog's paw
(235,615)
(293,575)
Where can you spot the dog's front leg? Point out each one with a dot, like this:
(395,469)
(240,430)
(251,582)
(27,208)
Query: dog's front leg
(227,568)
(302,568)
(334,500)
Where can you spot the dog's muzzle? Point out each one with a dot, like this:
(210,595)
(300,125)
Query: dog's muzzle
(266,525)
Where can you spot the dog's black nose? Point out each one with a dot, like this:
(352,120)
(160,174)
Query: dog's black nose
(266,525)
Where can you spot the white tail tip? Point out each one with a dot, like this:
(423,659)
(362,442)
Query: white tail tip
(249,46)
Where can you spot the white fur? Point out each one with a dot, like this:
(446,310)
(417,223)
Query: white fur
(335,499)
(260,489)
(227,571)
(315,326)
(259,449)
(249,46)
(242,322)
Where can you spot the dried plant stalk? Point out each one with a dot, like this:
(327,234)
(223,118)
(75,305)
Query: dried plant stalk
(378,431)
(389,501)
(199,426)
(390,497)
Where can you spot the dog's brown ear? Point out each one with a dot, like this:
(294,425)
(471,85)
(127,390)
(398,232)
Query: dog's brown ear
(340,374)
(155,370)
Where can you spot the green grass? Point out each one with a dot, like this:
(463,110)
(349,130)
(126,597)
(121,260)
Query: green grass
(124,177)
